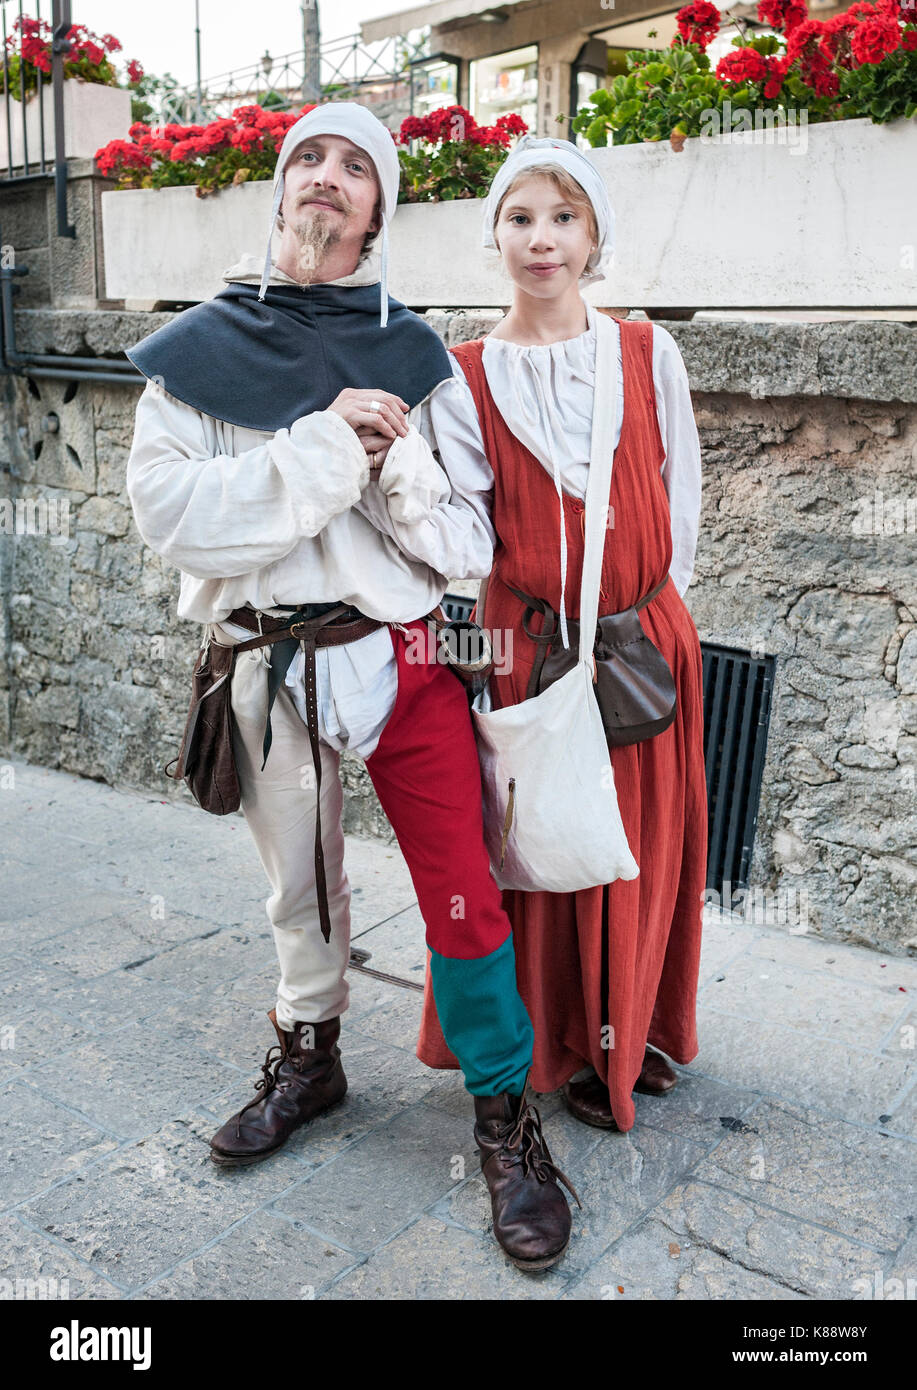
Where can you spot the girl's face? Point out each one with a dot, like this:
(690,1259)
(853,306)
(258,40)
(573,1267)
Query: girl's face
(545,240)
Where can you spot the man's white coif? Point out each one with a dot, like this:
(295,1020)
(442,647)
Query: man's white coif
(363,129)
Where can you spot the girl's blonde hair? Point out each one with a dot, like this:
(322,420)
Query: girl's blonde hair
(562,181)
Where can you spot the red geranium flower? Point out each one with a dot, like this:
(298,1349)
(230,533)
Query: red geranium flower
(118,155)
(413,128)
(804,39)
(742,65)
(874,39)
(776,72)
(806,47)
(451,123)
(698,23)
(782,15)
(512,123)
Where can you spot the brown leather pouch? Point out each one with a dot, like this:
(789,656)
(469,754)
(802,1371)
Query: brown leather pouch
(205,760)
(633,684)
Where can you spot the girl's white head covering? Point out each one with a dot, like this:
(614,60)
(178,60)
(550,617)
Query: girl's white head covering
(365,130)
(530,151)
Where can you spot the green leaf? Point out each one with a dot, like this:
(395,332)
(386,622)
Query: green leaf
(626,111)
(765,43)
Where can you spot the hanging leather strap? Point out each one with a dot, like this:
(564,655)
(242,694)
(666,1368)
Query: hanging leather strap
(314,629)
(545,639)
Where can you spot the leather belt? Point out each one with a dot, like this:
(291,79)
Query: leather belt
(545,639)
(313,625)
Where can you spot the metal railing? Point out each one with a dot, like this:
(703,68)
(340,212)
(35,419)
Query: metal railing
(348,67)
(16,106)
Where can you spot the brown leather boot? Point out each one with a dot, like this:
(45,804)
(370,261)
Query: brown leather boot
(299,1083)
(657,1077)
(530,1213)
(588,1099)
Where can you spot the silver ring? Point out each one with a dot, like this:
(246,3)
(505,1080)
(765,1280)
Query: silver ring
(375,406)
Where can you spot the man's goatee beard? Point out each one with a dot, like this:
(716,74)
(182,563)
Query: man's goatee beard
(316,235)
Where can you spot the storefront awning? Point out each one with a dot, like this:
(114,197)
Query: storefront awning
(435,12)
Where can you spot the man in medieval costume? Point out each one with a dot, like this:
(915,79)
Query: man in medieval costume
(283,461)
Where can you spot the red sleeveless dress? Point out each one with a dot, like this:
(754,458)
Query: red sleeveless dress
(605,970)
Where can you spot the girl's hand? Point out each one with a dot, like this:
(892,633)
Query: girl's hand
(377,447)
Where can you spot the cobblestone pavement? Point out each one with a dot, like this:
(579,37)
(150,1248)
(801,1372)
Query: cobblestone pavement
(136,968)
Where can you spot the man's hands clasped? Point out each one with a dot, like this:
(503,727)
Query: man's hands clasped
(376,417)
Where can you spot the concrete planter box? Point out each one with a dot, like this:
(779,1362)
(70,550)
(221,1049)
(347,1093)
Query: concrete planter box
(822,221)
(93,115)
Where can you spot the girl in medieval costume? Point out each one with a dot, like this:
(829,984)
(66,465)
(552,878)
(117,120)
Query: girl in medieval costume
(608,974)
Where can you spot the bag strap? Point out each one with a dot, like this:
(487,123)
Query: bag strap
(598,487)
(543,640)
(482,599)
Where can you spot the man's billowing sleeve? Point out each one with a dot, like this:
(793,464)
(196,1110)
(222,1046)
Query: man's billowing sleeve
(681,471)
(434,494)
(217,515)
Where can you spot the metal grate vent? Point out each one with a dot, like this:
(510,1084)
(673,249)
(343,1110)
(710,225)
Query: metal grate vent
(456,607)
(737,707)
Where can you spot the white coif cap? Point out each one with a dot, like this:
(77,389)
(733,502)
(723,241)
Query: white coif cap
(530,151)
(363,129)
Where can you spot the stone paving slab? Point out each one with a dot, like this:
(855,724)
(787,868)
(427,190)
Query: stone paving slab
(851,1180)
(43,1143)
(843,1009)
(32,1258)
(389,1177)
(431,1259)
(703,1242)
(95,1005)
(141,1211)
(136,969)
(851,1082)
(281,1259)
(129,1081)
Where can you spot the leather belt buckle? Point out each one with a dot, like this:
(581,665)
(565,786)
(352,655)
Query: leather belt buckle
(294,626)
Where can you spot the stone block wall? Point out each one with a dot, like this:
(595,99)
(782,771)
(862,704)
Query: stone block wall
(807,551)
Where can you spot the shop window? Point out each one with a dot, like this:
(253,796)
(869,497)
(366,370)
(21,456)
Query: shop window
(434,83)
(506,82)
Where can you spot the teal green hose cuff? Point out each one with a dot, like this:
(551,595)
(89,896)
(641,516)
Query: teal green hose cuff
(484,1020)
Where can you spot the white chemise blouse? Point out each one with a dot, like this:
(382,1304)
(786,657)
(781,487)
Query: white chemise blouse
(544,393)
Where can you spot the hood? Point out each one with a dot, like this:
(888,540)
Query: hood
(247,271)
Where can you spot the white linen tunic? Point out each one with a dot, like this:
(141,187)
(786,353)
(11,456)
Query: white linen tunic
(291,517)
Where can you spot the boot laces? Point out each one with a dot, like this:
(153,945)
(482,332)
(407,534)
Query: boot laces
(524,1139)
(269,1078)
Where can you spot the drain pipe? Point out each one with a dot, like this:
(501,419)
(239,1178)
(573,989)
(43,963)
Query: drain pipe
(49,364)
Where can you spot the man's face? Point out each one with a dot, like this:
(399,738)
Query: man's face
(330,199)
